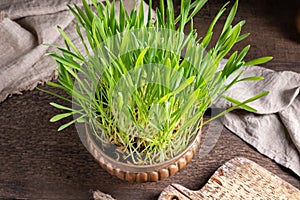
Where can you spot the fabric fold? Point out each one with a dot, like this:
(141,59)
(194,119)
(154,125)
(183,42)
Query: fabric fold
(21,41)
(26,67)
(15,9)
(274,129)
(20,71)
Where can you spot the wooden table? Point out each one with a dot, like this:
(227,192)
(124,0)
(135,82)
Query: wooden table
(37,162)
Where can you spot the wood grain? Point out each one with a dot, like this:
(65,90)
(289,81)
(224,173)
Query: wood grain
(239,178)
(36,162)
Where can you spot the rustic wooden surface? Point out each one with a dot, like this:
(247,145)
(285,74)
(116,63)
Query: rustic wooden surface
(36,162)
(239,178)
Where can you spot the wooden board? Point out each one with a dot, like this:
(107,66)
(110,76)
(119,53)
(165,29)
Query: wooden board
(239,178)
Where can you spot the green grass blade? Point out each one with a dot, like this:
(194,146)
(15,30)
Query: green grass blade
(149,21)
(76,15)
(86,20)
(242,37)
(122,16)
(230,17)
(162,11)
(170,15)
(60,116)
(61,107)
(234,101)
(258,61)
(252,78)
(140,59)
(88,10)
(237,106)
(71,122)
(69,42)
(141,15)
(54,94)
(197,7)
(52,84)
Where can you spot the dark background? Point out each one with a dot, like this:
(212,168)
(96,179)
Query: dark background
(37,162)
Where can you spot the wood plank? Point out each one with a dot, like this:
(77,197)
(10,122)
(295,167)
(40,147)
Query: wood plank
(239,178)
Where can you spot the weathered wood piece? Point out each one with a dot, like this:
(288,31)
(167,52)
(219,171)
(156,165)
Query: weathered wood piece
(239,178)
(97,195)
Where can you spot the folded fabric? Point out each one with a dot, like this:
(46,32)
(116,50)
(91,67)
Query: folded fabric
(23,64)
(274,129)
(25,26)
(15,9)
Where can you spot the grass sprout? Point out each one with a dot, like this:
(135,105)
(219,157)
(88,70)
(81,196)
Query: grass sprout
(143,85)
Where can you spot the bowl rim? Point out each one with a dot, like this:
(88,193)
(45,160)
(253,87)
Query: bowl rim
(115,164)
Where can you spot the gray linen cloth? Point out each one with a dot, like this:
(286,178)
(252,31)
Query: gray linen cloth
(275,129)
(26,25)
